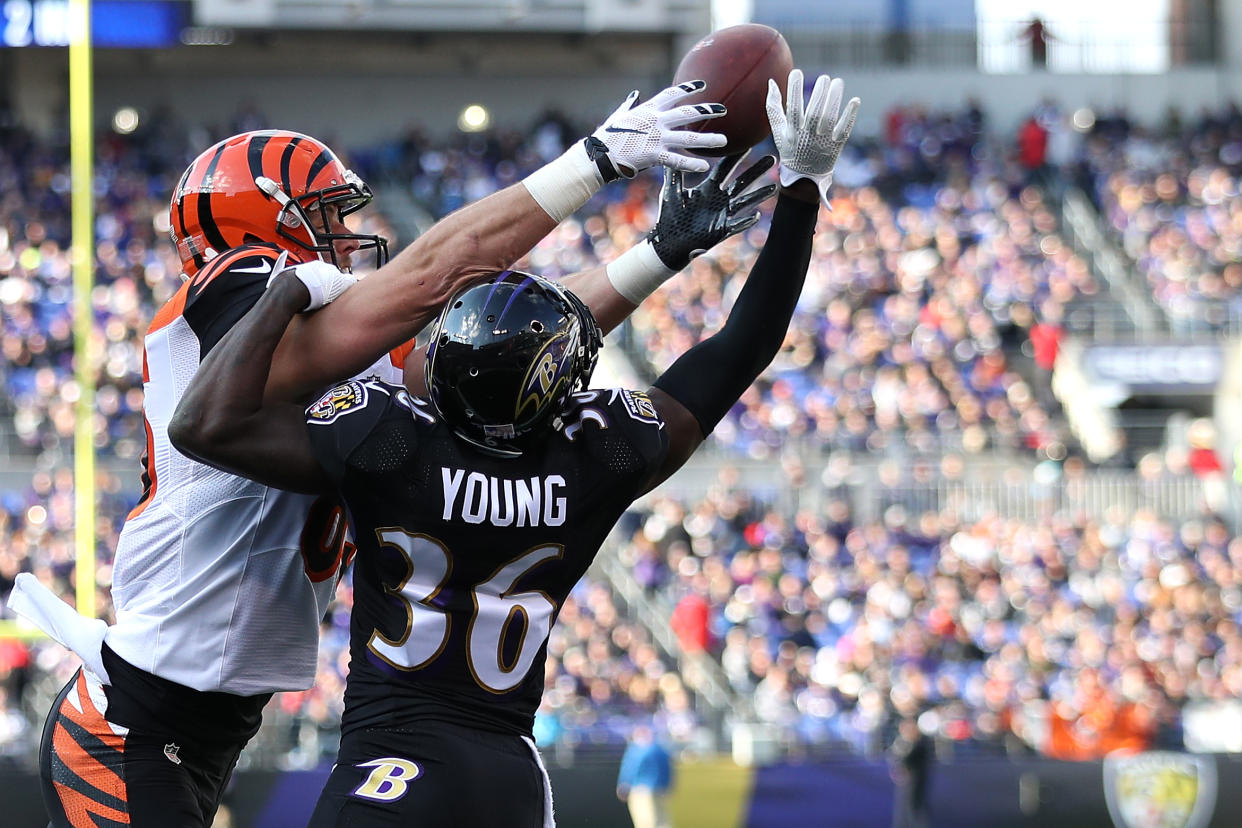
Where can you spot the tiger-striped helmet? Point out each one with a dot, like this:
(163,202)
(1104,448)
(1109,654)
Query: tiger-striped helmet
(264,186)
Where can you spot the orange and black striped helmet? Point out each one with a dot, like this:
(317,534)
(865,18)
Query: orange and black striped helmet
(264,186)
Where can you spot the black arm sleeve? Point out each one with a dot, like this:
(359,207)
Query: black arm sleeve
(710,377)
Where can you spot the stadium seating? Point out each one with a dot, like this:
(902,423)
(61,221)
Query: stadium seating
(1171,196)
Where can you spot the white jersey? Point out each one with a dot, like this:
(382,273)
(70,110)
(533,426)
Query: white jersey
(219,582)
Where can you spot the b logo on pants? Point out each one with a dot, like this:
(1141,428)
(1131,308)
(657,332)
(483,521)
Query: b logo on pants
(389,780)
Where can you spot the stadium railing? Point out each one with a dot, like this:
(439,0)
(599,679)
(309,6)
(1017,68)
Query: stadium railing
(1019,488)
(1000,44)
(1082,227)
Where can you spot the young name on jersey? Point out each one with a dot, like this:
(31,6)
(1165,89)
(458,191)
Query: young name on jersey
(480,498)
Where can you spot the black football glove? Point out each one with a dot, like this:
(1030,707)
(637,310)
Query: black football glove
(692,221)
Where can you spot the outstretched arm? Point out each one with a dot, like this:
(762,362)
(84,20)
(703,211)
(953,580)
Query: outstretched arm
(700,387)
(691,221)
(390,306)
(223,420)
(703,384)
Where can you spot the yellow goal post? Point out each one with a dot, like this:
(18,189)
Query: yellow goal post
(82,173)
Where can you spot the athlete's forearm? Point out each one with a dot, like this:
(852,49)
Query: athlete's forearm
(710,377)
(593,287)
(391,305)
(456,252)
(222,419)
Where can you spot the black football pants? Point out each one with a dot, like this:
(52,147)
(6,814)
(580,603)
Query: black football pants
(440,774)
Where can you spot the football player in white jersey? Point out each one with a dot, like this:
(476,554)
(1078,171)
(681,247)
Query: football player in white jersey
(219,583)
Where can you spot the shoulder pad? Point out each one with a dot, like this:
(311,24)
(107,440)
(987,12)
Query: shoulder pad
(638,406)
(346,398)
(256,259)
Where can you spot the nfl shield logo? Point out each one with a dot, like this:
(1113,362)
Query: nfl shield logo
(1160,789)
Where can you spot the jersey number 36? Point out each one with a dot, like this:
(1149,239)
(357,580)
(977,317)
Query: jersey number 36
(496,609)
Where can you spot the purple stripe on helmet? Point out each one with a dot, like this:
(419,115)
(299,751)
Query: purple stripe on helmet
(513,296)
(497,282)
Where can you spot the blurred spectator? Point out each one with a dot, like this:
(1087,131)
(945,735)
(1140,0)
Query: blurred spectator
(910,759)
(1037,34)
(1033,148)
(645,778)
(1205,463)
(690,622)
(1045,337)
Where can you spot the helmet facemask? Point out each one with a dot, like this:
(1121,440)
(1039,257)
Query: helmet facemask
(299,219)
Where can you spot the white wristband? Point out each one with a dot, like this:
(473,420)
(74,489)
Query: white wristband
(562,186)
(323,281)
(637,272)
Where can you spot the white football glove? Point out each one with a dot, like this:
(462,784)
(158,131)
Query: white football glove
(809,146)
(641,135)
(324,281)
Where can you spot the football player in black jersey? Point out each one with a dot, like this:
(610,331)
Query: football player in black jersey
(478,508)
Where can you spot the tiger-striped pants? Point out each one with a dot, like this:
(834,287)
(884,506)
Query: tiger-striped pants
(97,774)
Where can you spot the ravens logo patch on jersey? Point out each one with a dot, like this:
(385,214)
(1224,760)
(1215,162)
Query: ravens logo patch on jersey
(640,407)
(341,400)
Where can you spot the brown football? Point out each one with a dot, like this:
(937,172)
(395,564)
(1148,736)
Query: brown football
(736,63)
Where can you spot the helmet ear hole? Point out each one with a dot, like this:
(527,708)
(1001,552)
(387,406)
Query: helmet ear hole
(474,372)
(536,326)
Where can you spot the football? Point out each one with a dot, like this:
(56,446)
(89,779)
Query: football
(736,63)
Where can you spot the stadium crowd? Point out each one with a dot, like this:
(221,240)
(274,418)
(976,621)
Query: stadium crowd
(938,266)
(1072,636)
(901,339)
(1171,196)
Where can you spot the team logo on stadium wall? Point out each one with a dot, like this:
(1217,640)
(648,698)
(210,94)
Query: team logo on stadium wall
(1160,789)
(343,399)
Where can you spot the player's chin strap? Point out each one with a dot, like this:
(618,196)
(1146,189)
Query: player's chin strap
(291,213)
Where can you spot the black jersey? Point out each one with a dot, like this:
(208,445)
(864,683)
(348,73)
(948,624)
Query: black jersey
(464,558)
